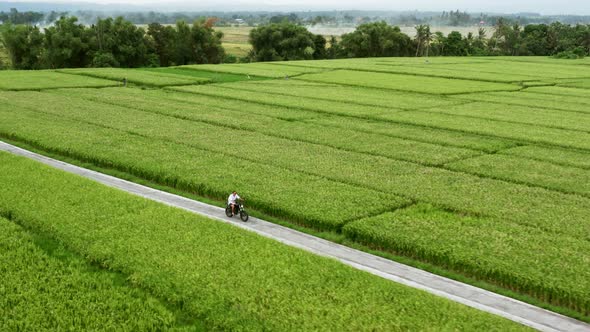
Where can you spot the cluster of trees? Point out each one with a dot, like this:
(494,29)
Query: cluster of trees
(111,43)
(555,39)
(16,17)
(119,43)
(287,41)
(29,17)
(540,39)
(374,40)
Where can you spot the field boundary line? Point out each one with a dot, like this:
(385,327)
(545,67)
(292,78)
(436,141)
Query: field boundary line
(347,182)
(305,79)
(396,109)
(525,90)
(61,87)
(150,85)
(505,152)
(428,109)
(253,89)
(438,76)
(402,72)
(406,122)
(442,166)
(479,117)
(515,310)
(319,115)
(532,77)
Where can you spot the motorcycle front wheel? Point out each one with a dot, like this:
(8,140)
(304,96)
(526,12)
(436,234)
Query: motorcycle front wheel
(244,216)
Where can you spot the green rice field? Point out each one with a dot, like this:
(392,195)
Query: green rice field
(477,168)
(105,260)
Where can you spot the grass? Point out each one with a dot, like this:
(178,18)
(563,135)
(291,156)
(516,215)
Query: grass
(237,49)
(540,70)
(294,102)
(426,231)
(539,173)
(13,80)
(140,77)
(545,117)
(409,83)
(554,155)
(191,148)
(208,269)
(202,74)
(330,236)
(430,70)
(337,93)
(185,162)
(214,117)
(525,133)
(513,161)
(540,98)
(254,69)
(582,84)
(235,34)
(39,273)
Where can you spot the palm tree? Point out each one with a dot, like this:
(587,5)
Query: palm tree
(428,37)
(423,38)
(419,37)
(439,42)
(585,39)
(481,33)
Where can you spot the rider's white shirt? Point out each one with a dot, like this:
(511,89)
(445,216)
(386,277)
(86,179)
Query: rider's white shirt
(232,198)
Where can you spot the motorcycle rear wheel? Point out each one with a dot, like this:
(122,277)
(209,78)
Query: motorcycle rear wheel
(228,211)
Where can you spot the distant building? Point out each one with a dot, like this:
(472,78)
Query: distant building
(239,21)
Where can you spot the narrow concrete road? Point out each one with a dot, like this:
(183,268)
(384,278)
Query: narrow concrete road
(518,311)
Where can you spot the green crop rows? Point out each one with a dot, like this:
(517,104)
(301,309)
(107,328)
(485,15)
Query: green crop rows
(410,83)
(541,173)
(151,78)
(46,288)
(468,172)
(582,84)
(321,106)
(218,277)
(540,98)
(255,69)
(529,69)
(45,79)
(338,93)
(553,155)
(521,114)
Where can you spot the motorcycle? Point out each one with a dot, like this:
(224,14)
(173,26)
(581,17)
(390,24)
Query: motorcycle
(239,208)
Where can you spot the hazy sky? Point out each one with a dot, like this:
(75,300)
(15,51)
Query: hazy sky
(580,7)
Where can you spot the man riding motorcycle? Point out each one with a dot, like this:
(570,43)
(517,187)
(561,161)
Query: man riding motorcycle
(231,201)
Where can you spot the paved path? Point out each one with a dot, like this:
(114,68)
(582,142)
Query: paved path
(472,296)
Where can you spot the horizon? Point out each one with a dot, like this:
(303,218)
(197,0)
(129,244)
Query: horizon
(543,7)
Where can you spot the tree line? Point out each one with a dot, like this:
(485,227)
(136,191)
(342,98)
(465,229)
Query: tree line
(329,17)
(287,41)
(111,43)
(119,43)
